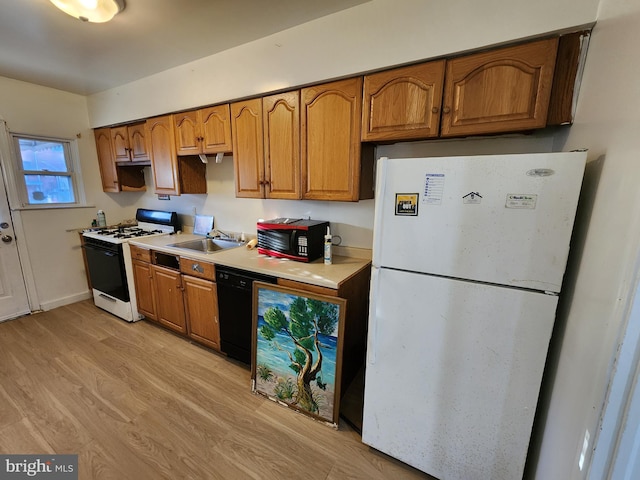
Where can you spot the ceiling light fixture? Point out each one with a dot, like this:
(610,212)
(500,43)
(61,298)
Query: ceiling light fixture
(95,11)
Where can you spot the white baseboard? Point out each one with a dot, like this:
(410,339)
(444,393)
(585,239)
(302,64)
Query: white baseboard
(61,302)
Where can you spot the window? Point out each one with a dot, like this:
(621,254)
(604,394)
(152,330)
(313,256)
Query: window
(46,171)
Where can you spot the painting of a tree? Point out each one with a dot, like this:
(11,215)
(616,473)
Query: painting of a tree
(297,345)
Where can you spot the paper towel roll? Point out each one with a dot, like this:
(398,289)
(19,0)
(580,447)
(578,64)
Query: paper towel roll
(252,244)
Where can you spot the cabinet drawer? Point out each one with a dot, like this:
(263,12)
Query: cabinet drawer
(197,268)
(142,254)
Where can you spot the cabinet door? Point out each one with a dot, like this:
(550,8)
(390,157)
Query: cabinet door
(216,129)
(145,294)
(330,140)
(139,150)
(282,145)
(187,130)
(170,301)
(201,301)
(164,161)
(120,144)
(499,91)
(404,103)
(248,149)
(108,172)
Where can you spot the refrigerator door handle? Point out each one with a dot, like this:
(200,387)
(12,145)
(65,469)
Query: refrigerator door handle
(373,317)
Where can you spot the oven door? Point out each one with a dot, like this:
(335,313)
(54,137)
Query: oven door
(106,268)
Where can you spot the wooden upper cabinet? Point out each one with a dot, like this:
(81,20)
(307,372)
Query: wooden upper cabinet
(187,130)
(248,148)
(120,144)
(171,174)
(139,149)
(108,172)
(331,116)
(403,103)
(216,129)
(502,90)
(164,162)
(207,131)
(130,143)
(282,145)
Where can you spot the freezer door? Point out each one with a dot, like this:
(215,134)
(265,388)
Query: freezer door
(453,373)
(504,219)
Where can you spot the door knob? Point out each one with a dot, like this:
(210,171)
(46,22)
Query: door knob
(6,238)
(4,225)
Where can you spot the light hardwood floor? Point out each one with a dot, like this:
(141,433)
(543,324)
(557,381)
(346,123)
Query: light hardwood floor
(137,402)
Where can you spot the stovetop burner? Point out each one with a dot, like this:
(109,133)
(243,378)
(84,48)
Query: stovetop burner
(128,232)
(150,222)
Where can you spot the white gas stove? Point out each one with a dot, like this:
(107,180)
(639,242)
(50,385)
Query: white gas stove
(109,260)
(121,234)
(150,222)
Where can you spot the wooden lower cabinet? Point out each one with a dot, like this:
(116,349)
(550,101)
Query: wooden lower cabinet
(145,293)
(169,298)
(201,304)
(185,300)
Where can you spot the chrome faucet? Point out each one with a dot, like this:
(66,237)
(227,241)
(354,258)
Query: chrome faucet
(221,234)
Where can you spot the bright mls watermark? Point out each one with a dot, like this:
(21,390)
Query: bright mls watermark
(49,467)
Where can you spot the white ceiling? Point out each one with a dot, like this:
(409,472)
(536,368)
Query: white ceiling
(42,45)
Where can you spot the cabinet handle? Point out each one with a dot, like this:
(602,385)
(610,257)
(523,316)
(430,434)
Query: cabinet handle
(446,110)
(435,110)
(197,268)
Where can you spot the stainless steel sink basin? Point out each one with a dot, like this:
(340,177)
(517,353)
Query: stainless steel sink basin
(207,245)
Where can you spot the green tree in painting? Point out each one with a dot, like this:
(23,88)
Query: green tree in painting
(307,319)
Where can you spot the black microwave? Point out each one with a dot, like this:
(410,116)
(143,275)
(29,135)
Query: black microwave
(294,238)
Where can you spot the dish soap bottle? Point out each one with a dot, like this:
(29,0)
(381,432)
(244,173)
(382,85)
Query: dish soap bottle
(102,220)
(327,247)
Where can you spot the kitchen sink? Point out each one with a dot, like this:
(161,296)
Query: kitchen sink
(207,245)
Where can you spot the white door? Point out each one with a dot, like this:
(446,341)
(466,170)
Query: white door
(453,373)
(503,219)
(13,292)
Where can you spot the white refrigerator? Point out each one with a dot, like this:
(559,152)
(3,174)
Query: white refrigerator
(468,259)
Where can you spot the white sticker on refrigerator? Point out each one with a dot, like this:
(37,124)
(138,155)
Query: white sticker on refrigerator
(433,188)
(521,200)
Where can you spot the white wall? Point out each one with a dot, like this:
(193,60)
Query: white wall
(55,255)
(607,122)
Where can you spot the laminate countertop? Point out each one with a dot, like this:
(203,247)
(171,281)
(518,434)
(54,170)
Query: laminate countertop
(313,273)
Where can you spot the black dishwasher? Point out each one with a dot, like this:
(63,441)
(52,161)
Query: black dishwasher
(235,305)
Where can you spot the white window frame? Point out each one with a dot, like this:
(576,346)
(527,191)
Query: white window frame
(18,197)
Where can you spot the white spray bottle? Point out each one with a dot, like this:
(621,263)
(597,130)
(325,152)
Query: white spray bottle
(327,247)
